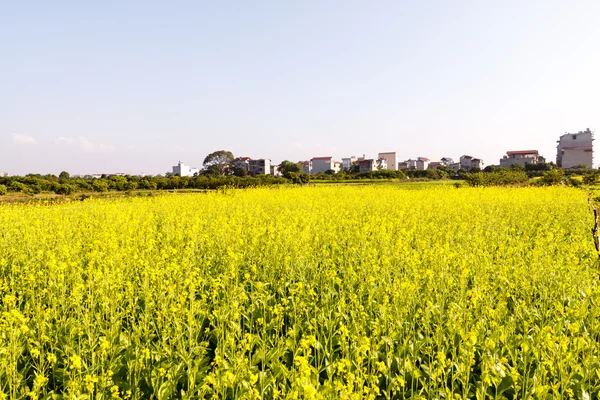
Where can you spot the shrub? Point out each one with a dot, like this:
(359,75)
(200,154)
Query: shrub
(498,178)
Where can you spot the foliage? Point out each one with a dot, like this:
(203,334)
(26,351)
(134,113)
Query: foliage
(327,292)
(286,167)
(64,189)
(3,190)
(500,177)
(554,177)
(590,178)
(219,161)
(298,178)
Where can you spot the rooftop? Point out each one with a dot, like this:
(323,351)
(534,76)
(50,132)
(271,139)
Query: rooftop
(321,158)
(510,153)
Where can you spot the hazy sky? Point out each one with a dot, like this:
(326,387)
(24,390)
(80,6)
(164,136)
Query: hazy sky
(135,86)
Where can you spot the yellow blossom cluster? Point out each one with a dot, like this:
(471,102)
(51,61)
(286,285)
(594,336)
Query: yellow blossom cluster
(332,292)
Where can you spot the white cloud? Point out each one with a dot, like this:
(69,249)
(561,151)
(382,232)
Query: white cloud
(23,140)
(84,144)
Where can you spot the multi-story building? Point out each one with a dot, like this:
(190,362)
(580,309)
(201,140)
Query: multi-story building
(390,159)
(468,163)
(306,166)
(261,166)
(446,161)
(242,163)
(521,157)
(3,174)
(275,170)
(370,165)
(575,149)
(408,164)
(321,164)
(422,163)
(347,162)
(182,170)
(337,166)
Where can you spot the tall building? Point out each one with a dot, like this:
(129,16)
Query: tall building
(575,149)
(348,161)
(242,163)
(184,170)
(321,164)
(390,159)
(259,167)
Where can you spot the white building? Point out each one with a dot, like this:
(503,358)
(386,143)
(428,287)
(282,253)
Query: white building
(390,159)
(521,157)
(468,163)
(575,149)
(242,163)
(261,166)
(3,174)
(306,166)
(447,161)
(321,164)
(422,163)
(182,170)
(92,176)
(408,164)
(275,170)
(337,166)
(347,162)
(371,165)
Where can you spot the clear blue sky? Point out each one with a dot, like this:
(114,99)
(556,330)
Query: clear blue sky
(135,86)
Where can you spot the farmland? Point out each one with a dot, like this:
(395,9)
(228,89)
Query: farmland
(367,291)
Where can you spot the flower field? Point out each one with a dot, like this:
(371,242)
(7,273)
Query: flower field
(315,292)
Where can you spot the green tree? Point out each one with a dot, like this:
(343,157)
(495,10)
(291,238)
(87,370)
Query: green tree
(287,166)
(3,190)
(64,189)
(554,177)
(241,172)
(64,175)
(220,160)
(99,185)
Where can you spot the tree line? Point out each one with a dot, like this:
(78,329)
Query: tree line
(219,171)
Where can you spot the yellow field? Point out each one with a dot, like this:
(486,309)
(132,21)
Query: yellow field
(326,292)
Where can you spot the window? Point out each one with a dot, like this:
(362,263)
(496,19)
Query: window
(574,137)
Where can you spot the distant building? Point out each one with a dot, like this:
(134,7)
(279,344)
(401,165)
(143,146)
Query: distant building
(261,166)
(468,163)
(275,170)
(321,164)
(390,159)
(521,157)
(242,163)
(306,166)
(347,162)
(3,174)
(434,165)
(337,166)
(371,165)
(575,149)
(408,164)
(181,170)
(422,163)
(446,161)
